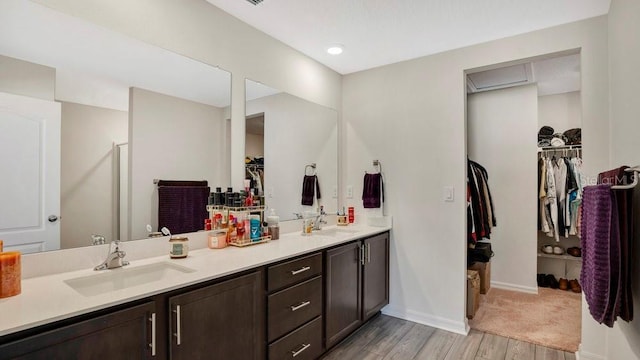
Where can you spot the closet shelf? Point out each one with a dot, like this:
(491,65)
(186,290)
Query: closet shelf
(560,257)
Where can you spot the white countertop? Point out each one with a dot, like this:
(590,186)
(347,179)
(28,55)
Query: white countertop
(45,299)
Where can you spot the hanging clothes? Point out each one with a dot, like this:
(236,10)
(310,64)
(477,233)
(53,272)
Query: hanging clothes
(560,195)
(480,211)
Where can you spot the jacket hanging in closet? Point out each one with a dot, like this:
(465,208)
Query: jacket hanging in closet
(560,195)
(480,212)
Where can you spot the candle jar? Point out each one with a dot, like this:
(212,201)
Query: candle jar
(178,247)
(217,239)
(10,274)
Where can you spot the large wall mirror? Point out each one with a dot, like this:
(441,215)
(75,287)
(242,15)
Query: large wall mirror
(88,119)
(285,135)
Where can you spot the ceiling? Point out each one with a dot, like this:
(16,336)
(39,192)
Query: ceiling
(381,32)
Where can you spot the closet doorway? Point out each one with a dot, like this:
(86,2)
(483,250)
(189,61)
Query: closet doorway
(506,106)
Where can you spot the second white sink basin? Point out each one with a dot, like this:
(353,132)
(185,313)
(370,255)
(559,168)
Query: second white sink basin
(121,278)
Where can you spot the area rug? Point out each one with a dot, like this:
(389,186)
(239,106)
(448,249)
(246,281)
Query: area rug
(551,318)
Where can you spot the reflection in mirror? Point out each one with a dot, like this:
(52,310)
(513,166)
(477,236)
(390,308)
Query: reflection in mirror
(284,135)
(88,119)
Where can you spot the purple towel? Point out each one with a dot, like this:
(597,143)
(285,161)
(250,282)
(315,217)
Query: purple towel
(310,189)
(625,216)
(372,191)
(600,252)
(182,209)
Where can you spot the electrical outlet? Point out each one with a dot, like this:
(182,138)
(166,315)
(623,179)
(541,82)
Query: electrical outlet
(350,192)
(335,192)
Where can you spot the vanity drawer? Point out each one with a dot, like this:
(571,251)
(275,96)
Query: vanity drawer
(303,344)
(292,307)
(291,272)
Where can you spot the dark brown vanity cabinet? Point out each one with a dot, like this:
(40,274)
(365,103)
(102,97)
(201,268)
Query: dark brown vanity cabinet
(294,309)
(122,334)
(219,321)
(357,285)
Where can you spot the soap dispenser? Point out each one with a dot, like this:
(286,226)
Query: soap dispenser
(273,221)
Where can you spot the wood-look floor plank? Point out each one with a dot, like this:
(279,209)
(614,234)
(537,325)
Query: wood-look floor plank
(438,345)
(350,347)
(569,355)
(520,350)
(411,343)
(492,347)
(544,353)
(465,347)
(390,336)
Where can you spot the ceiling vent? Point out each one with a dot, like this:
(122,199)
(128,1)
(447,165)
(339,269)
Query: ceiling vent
(500,78)
(255,2)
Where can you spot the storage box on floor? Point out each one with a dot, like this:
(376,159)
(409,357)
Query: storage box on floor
(484,270)
(473,293)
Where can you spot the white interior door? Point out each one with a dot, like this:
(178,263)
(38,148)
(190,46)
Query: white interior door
(29,173)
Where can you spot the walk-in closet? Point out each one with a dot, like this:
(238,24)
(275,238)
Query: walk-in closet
(524,118)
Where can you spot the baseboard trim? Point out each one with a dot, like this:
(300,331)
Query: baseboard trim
(458,327)
(513,287)
(585,355)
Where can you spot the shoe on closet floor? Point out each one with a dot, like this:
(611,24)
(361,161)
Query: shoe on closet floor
(574,285)
(563,284)
(542,280)
(551,280)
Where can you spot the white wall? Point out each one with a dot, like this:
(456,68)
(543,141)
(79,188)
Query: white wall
(297,133)
(163,132)
(623,341)
(411,116)
(86,180)
(501,136)
(560,111)
(254,145)
(21,77)
(199,30)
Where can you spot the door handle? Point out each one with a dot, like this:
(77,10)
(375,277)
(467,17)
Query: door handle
(152,319)
(52,218)
(177,333)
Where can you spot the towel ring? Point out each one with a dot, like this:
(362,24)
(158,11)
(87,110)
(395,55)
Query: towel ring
(313,169)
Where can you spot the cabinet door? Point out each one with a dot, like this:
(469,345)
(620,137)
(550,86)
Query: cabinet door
(343,292)
(124,334)
(375,275)
(221,321)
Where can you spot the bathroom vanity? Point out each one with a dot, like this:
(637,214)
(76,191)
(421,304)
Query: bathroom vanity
(296,296)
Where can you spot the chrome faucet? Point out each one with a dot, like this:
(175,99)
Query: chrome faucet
(114,258)
(319,219)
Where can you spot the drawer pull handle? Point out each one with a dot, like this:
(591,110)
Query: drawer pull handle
(304,347)
(300,306)
(301,270)
(177,333)
(152,319)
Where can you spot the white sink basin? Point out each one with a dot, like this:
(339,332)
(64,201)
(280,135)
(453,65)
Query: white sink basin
(335,232)
(125,277)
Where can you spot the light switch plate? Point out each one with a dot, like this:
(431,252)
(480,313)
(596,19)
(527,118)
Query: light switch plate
(448,194)
(350,192)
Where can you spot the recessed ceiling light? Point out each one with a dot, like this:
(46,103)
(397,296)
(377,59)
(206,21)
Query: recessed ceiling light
(335,49)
